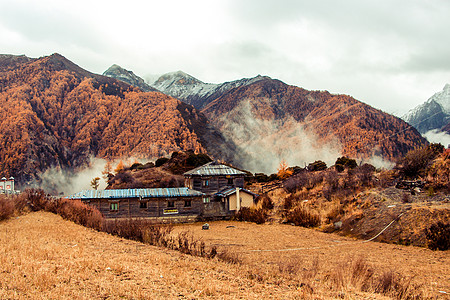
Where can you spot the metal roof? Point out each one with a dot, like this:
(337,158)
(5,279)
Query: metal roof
(213,169)
(136,193)
(231,191)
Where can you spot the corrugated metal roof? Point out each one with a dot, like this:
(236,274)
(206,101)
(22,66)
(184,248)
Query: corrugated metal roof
(136,193)
(231,191)
(213,169)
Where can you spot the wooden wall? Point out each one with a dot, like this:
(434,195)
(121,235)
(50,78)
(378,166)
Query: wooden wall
(215,183)
(156,207)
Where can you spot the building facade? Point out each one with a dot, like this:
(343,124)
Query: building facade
(211,191)
(160,203)
(7,186)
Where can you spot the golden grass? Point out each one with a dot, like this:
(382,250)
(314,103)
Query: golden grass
(45,257)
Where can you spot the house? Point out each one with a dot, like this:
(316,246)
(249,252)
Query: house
(181,204)
(223,187)
(212,191)
(230,196)
(7,186)
(213,177)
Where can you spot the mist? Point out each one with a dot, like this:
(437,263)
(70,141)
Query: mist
(437,136)
(66,182)
(263,144)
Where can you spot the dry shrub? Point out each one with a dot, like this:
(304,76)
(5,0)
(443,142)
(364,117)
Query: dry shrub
(396,286)
(438,236)
(36,199)
(6,207)
(303,216)
(290,265)
(229,257)
(134,229)
(77,212)
(359,274)
(252,214)
(265,202)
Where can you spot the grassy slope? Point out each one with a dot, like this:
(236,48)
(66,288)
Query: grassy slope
(43,256)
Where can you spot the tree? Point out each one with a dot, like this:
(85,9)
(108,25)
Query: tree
(119,168)
(283,170)
(95,183)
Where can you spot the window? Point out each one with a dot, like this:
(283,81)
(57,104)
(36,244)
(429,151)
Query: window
(230,181)
(206,182)
(206,200)
(143,204)
(187,203)
(171,204)
(114,206)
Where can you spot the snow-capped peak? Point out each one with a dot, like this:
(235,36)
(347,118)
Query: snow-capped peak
(443,98)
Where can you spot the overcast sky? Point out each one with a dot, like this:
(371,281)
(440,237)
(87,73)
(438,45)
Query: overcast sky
(391,54)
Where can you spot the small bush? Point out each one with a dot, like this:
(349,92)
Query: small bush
(318,165)
(197,160)
(406,198)
(6,207)
(36,199)
(77,212)
(250,214)
(229,257)
(438,236)
(266,203)
(302,216)
(160,161)
(345,163)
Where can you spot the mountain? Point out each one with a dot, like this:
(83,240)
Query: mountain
(271,121)
(433,114)
(193,91)
(54,114)
(129,77)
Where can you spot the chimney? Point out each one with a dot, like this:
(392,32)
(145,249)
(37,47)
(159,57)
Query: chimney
(238,200)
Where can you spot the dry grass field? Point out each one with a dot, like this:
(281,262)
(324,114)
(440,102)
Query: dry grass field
(43,256)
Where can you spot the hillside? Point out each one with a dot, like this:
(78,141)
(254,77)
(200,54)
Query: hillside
(271,121)
(55,114)
(44,256)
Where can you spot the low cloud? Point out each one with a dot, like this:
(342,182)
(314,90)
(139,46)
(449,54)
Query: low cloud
(263,144)
(57,181)
(65,182)
(437,136)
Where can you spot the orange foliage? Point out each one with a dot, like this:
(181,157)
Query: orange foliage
(54,113)
(283,171)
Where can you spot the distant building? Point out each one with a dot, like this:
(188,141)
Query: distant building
(7,186)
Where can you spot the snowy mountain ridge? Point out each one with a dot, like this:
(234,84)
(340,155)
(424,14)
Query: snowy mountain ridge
(433,114)
(196,92)
(119,73)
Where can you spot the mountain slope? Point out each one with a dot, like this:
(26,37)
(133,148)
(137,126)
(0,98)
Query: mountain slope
(129,77)
(55,114)
(433,114)
(271,121)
